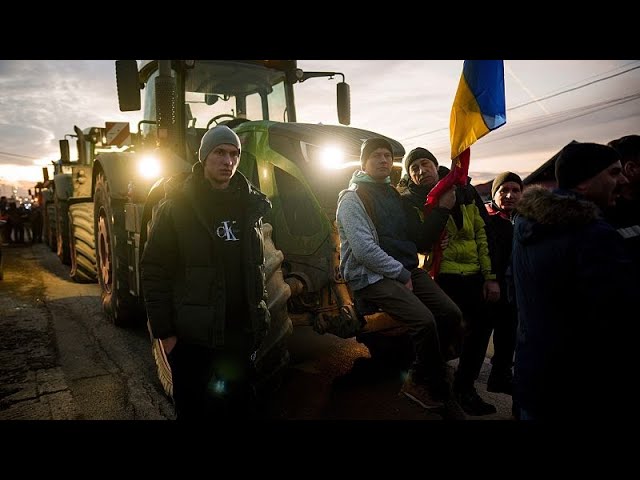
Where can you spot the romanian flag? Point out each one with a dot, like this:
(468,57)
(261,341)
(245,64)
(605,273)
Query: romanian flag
(478,108)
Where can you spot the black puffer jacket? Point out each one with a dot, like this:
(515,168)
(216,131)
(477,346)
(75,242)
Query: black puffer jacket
(182,276)
(577,313)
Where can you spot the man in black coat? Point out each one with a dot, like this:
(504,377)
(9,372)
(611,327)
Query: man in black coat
(625,215)
(575,292)
(506,191)
(204,284)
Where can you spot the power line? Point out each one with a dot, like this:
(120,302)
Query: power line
(569,115)
(572,89)
(8,154)
(534,100)
(544,121)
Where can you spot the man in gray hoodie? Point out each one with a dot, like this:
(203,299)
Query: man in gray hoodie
(379,243)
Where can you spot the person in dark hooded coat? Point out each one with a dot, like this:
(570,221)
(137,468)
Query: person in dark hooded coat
(575,289)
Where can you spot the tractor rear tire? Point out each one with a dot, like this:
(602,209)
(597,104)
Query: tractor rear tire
(111,256)
(62,231)
(82,243)
(52,236)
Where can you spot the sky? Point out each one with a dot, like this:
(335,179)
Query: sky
(549,103)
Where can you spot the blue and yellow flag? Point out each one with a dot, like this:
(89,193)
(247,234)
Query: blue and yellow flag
(479,106)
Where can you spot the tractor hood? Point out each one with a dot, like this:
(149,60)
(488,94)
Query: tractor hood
(304,140)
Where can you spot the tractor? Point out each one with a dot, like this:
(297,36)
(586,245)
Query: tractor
(301,167)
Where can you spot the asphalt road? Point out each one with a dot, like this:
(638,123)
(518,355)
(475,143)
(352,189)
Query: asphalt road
(61,359)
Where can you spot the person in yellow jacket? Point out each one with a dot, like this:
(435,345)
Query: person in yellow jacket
(465,275)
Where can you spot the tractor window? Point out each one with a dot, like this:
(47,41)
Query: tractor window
(225,90)
(277,104)
(254,107)
(300,213)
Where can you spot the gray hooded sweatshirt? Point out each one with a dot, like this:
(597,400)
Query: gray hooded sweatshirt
(362,261)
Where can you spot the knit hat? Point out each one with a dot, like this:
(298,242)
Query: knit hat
(372,144)
(628,147)
(578,162)
(505,177)
(217,136)
(416,154)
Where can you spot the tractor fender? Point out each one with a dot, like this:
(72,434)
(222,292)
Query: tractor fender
(119,168)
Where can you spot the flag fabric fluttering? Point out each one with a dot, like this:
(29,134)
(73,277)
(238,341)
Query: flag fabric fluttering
(478,108)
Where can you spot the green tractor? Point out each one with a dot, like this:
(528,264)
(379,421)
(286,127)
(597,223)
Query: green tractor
(301,167)
(58,209)
(72,215)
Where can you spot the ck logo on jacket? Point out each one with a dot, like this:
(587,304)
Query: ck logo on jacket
(225,231)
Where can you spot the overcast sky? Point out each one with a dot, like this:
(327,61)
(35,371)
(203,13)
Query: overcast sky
(409,100)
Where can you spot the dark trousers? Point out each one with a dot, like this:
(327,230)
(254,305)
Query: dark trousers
(432,317)
(504,318)
(212,384)
(466,291)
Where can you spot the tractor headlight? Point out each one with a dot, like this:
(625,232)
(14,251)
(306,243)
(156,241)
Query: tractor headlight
(332,157)
(149,167)
(329,157)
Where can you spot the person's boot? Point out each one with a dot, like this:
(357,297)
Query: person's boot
(425,394)
(473,404)
(500,381)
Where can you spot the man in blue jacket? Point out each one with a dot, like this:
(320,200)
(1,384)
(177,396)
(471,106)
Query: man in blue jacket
(575,292)
(379,242)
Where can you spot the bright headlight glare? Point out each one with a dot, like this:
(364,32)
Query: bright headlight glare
(149,167)
(332,157)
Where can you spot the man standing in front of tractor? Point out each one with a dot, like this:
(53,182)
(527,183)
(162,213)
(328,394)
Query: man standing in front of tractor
(203,281)
(379,243)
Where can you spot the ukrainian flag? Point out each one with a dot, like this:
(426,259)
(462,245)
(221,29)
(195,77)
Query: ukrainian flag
(479,106)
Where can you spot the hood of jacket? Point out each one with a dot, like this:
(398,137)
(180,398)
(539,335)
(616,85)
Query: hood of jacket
(541,212)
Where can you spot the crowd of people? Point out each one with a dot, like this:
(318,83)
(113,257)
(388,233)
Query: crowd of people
(552,274)
(20,222)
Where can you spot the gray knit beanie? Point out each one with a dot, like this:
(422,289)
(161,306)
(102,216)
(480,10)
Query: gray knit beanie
(217,136)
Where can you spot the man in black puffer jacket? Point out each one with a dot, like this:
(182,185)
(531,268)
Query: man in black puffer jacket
(203,281)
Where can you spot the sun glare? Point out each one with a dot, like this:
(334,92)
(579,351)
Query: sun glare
(10,173)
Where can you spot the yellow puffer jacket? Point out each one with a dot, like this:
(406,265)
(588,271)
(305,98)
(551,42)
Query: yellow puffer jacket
(468,249)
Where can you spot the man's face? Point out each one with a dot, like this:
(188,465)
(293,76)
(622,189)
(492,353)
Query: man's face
(379,164)
(423,172)
(221,164)
(604,188)
(507,196)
